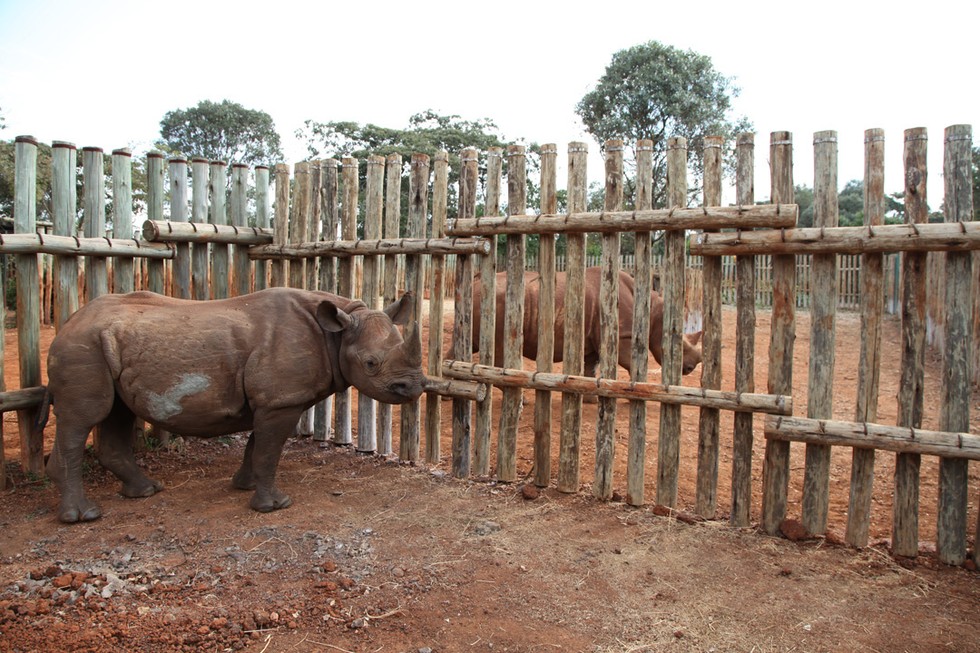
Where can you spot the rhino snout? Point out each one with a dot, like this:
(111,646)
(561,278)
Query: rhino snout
(409,390)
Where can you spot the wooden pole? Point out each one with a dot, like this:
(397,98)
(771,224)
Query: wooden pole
(391,227)
(115,248)
(299,222)
(572,357)
(605,439)
(155,185)
(462,344)
(418,185)
(200,254)
(343,434)
(241,265)
(775,473)
(488,315)
(546,318)
(164,231)
(314,228)
(367,408)
(178,213)
(122,217)
(640,344)
(220,274)
(28,300)
(744,344)
(872,306)
(956,387)
(93,173)
(263,214)
(281,224)
(905,521)
(64,204)
(668,458)
(510,407)
(706,500)
(437,302)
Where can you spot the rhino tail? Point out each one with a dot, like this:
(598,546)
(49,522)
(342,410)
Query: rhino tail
(43,409)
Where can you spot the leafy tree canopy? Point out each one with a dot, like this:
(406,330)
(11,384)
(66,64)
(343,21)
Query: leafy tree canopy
(221,131)
(655,91)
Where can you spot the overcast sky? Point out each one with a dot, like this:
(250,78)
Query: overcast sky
(104,72)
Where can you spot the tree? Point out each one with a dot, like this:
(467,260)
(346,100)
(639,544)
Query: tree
(656,91)
(221,131)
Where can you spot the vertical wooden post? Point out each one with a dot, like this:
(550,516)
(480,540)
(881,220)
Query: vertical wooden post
(300,221)
(640,345)
(823,310)
(389,292)
(155,185)
(872,306)
(462,346)
(605,438)
(242,267)
(782,337)
(178,213)
(573,354)
(345,286)
(263,214)
(314,228)
(28,299)
(122,217)
(955,389)
(367,408)
(510,408)
(668,458)
(220,281)
(488,315)
(905,520)
(200,255)
(418,186)
(437,302)
(280,236)
(93,173)
(744,343)
(546,318)
(65,204)
(327,270)
(709,422)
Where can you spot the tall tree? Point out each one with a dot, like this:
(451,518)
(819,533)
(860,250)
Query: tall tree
(222,131)
(657,91)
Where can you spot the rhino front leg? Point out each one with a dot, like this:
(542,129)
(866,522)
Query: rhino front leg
(262,454)
(115,452)
(65,469)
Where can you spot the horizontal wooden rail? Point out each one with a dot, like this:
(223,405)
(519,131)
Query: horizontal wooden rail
(587,385)
(72,246)
(456,388)
(882,239)
(21,399)
(165,231)
(860,435)
(382,247)
(711,217)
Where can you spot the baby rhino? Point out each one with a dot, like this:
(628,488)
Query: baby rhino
(208,368)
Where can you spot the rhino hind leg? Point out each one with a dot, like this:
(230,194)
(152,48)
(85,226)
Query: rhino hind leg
(115,452)
(243,478)
(65,469)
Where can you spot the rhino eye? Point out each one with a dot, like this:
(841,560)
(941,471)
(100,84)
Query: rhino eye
(371,365)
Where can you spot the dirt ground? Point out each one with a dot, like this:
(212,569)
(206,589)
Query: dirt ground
(376,555)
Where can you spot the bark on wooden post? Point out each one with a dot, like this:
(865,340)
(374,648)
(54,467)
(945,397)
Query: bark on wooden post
(199,213)
(241,265)
(669,452)
(389,291)
(775,473)
(744,343)
(955,392)
(510,407)
(327,271)
(178,213)
(573,355)
(220,285)
(488,316)
(463,317)
(905,519)
(367,408)
(546,318)
(708,426)
(281,226)
(343,434)
(823,310)
(93,173)
(299,221)
(122,217)
(155,191)
(64,204)
(314,228)
(437,302)
(29,297)
(605,438)
(263,214)
(640,343)
(872,306)
(418,186)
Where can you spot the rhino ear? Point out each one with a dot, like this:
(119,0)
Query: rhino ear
(694,338)
(332,319)
(400,311)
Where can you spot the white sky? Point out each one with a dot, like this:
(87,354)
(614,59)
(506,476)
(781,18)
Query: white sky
(104,72)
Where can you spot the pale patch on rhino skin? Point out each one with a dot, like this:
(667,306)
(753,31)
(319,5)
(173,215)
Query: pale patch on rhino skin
(165,406)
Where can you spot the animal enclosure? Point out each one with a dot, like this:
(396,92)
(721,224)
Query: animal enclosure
(302,232)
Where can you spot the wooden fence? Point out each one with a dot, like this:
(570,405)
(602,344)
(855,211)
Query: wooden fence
(204,250)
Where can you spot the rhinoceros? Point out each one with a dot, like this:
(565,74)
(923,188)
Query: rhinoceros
(208,368)
(692,353)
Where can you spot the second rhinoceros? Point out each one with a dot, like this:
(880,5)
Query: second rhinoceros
(208,368)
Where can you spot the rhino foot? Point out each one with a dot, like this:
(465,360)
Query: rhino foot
(145,488)
(243,480)
(275,501)
(84,511)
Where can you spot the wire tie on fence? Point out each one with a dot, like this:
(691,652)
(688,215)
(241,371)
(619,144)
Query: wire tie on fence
(915,228)
(170,227)
(108,240)
(962,227)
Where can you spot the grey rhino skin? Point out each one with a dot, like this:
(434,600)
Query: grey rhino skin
(209,368)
